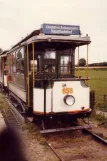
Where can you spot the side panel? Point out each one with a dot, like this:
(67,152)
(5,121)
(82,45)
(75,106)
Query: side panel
(5,80)
(18,91)
(38,100)
(18,80)
(49,101)
(1,78)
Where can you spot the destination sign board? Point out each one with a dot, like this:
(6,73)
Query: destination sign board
(55,29)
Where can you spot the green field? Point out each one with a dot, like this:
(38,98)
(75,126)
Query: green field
(97,82)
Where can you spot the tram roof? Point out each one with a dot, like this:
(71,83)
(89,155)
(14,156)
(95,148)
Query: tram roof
(38,36)
(76,40)
(56,33)
(4,53)
(35,32)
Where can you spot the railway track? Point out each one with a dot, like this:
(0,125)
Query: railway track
(12,117)
(77,148)
(67,146)
(95,136)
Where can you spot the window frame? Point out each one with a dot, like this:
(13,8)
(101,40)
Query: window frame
(69,53)
(19,70)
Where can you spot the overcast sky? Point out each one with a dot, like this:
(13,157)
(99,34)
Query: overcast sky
(19,17)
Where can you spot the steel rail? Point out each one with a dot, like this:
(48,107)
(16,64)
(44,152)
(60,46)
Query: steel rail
(22,118)
(16,119)
(11,118)
(94,135)
(5,117)
(54,151)
(12,114)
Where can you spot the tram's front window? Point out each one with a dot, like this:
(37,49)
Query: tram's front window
(50,61)
(65,64)
(35,65)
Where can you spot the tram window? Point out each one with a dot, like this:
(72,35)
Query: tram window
(35,65)
(65,64)
(39,62)
(17,61)
(50,61)
(14,62)
(7,64)
(50,55)
(20,60)
(10,63)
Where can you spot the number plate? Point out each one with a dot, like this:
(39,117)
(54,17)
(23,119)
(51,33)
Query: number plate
(67,91)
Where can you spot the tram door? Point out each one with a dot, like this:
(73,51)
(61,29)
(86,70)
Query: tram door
(45,68)
(50,66)
(35,76)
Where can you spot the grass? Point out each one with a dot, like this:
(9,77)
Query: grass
(98,83)
(102,120)
(34,132)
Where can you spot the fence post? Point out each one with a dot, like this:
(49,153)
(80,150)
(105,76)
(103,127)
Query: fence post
(105,98)
(92,99)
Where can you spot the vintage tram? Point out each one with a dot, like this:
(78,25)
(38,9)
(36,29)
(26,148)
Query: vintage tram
(39,73)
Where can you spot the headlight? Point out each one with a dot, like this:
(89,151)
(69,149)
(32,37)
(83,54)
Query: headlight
(69,100)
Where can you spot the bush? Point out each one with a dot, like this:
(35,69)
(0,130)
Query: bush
(103,107)
(102,120)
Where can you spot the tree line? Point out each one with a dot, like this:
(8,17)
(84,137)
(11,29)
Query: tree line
(82,63)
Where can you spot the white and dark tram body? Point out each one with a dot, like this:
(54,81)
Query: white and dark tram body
(40,74)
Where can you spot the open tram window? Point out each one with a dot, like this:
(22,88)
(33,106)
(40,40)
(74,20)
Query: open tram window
(37,62)
(35,65)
